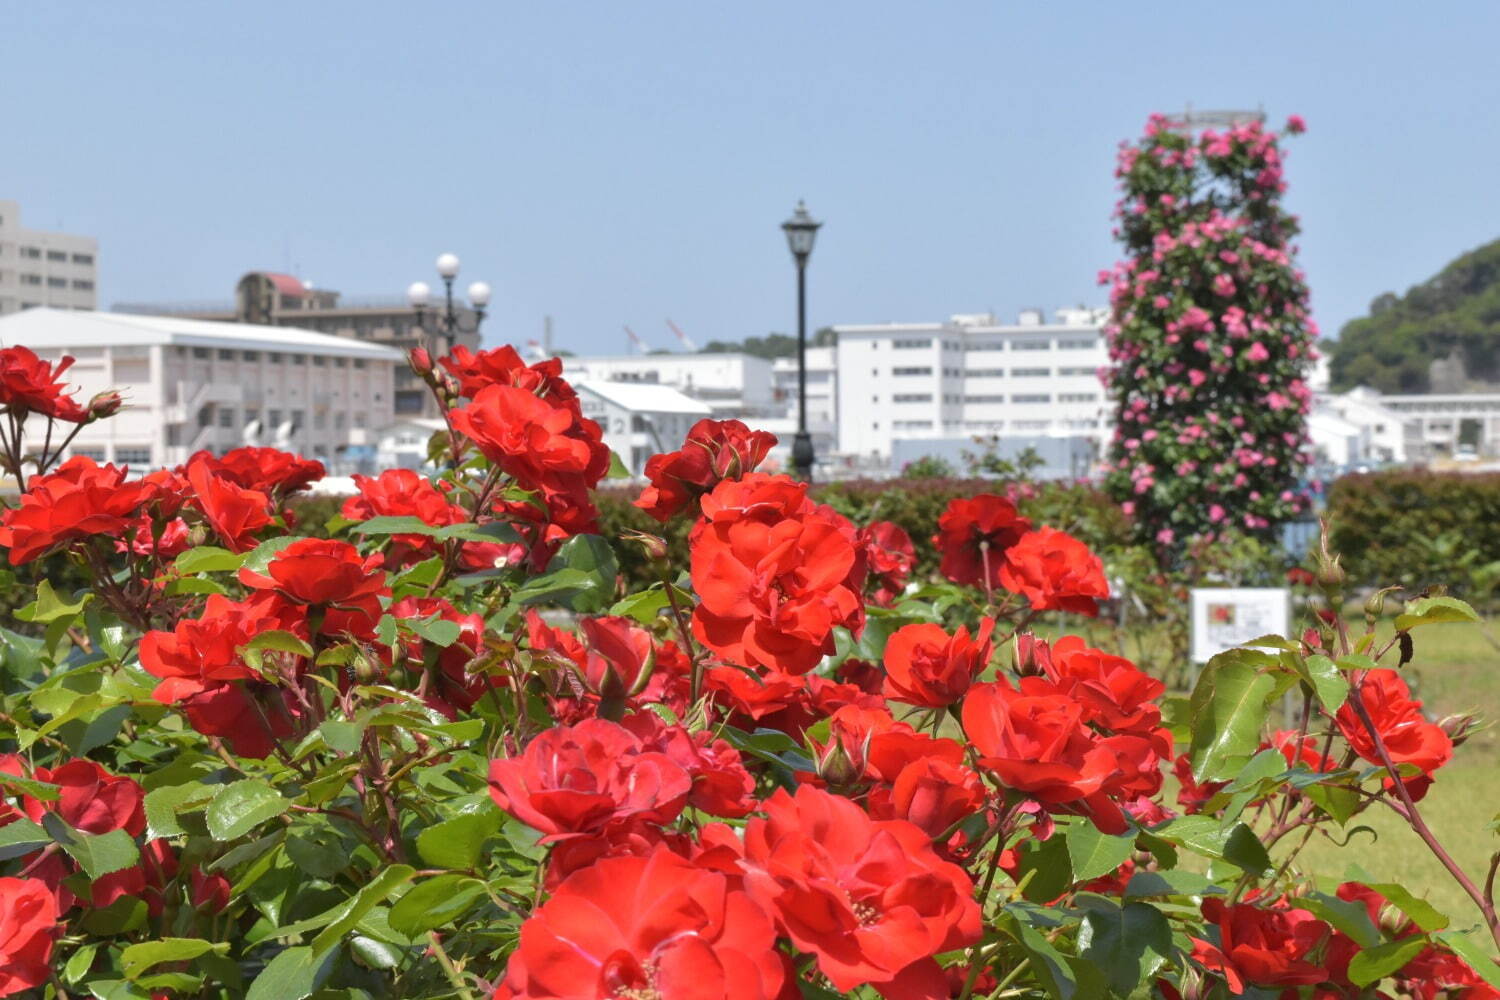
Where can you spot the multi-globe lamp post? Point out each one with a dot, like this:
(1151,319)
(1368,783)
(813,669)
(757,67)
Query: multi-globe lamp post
(801,232)
(448,321)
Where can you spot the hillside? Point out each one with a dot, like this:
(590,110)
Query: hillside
(1454,315)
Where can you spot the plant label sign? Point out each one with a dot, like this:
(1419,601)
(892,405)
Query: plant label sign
(1225,617)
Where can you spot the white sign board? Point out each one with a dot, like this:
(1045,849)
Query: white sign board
(1225,617)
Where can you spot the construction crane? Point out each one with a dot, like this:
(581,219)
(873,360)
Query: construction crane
(635,341)
(686,340)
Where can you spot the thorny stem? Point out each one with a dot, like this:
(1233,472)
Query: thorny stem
(449,969)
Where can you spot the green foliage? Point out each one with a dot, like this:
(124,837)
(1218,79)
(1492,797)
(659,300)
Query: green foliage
(1457,311)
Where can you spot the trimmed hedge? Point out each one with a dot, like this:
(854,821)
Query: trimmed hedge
(1417,529)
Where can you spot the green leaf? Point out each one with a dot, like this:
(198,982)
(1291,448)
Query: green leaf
(438,631)
(281,642)
(1054,869)
(1435,611)
(1373,964)
(433,903)
(48,607)
(164,804)
(207,559)
(139,957)
(361,903)
(79,963)
(30,786)
(390,525)
(1093,853)
(1205,835)
(1349,916)
(242,806)
(258,558)
(21,836)
(1228,709)
(592,556)
(1170,883)
(1128,944)
(456,843)
(643,605)
(617,469)
(1327,682)
(343,737)
(1479,960)
(291,975)
(1422,913)
(560,585)
(97,854)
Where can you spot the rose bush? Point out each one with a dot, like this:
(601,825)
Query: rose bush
(441,751)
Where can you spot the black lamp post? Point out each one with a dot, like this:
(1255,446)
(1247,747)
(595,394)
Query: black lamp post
(801,230)
(448,322)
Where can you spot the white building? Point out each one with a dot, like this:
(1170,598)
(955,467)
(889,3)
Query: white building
(822,387)
(191,385)
(732,385)
(1443,424)
(970,376)
(403,445)
(39,268)
(1356,428)
(639,420)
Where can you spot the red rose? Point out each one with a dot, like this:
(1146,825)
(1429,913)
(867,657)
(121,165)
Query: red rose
(775,573)
(91,799)
(270,471)
(1191,795)
(448,686)
(889,556)
(28,923)
(713,451)
(721,785)
(1262,946)
(325,574)
(932,793)
(1034,740)
(540,443)
(234,512)
(878,747)
(574,780)
(210,893)
(1054,571)
(618,651)
(1116,694)
(403,493)
(654,926)
(926,666)
(77,500)
(870,898)
(503,366)
(30,385)
(1408,737)
(973,536)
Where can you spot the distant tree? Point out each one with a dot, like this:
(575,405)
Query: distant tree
(928,467)
(825,337)
(1209,337)
(772,345)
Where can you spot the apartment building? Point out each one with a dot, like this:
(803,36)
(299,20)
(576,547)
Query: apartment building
(731,385)
(968,377)
(191,385)
(267,298)
(40,268)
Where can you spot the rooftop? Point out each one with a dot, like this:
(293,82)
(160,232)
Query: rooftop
(65,329)
(641,397)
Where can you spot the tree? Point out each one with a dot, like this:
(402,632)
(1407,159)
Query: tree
(1209,336)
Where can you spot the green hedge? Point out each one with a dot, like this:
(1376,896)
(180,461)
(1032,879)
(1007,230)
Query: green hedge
(1418,528)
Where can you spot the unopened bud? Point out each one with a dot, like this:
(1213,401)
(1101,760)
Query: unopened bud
(655,545)
(210,893)
(421,363)
(105,404)
(1331,575)
(1392,921)
(1375,604)
(1458,727)
(365,670)
(1024,655)
(836,766)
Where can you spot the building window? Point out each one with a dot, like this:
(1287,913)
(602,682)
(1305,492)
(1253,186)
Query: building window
(318,360)
(31,279)
(299,359)
(338,421)
(1032,425)
(913,397)
(985,372)
(273,419)
(97,454)
(912,344)
(984,399)
(338,362)
(250,355)
(83,258)
(226,416)
(1078,371)
(359,362)
(225,355)
(913,425)
(1031,397)
(1078,397)
(359,420)
(1075,344)
(57,282)
(911,371)
(81,285)
(320,421)
(57,255)
(31,253)
(1031,345)
(133,456)
(201,353)
(274,357)
(1030,372)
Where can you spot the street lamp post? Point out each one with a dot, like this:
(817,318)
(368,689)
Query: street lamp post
(447,320)
(801,230)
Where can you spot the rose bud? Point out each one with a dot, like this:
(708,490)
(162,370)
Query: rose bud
(655,545)
(104,404)
(420,361)
(210,893)
(1458,727)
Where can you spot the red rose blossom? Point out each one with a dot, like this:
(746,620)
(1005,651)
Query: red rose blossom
(235,513)
(1261,945)
(91,799)
(1055,572)
(271,471)
(889,556)
(30,385)
(28,925)
(77,500)
(327,575)
(926,666)
(713,451)
(1408,737)
(652,926)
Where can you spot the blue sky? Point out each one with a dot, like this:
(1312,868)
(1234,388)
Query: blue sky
(612,163)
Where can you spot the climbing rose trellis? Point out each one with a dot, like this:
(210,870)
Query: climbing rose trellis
(1210,336)
(442,752)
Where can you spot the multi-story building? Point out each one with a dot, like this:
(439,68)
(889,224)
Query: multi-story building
(822,386)
(39,268)
(191,385)
(639,420)
(970,377)
(732,385)
(270,299)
